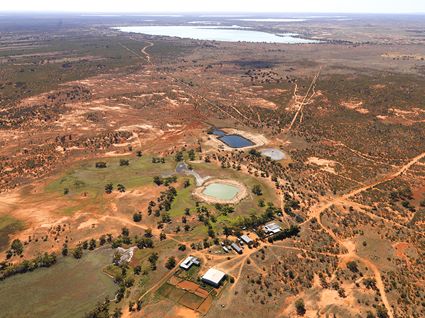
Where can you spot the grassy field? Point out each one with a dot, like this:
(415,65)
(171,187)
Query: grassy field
(68,289)
(8,225)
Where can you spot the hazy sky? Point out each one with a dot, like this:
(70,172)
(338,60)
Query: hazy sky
(360,6)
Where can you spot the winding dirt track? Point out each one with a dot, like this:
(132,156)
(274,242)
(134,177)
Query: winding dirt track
(316,212)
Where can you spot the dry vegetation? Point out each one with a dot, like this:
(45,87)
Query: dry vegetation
(349,113)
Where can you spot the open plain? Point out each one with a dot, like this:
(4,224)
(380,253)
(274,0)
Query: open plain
(94,121)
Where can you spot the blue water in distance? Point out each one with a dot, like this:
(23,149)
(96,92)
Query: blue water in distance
(217,33)
(236,141)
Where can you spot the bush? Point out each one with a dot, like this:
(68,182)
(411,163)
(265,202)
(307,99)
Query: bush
(300,307)
(137,217)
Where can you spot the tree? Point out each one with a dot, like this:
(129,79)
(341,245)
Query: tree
(148,232)
(381,312)
(162,236)
(78,252)
(352,266)
(191,154)
(108,188)
(92,244)
(65,191)
(153,258)
(179,156)
(125,231)
(65,250)
(186,183)
(256,189)
(17,247)
(137,270)
(137,217)
(300,307)
(100,164)
(261,203)
(171,262)
(157,180)
(370,283)
(124,162)
(121,187)
(138,153)
(227,231)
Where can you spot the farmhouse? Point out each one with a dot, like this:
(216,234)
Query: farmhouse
(213,277)
(189,261)
(271,228)
(246,239)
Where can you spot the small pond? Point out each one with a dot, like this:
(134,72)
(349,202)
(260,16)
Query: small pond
(236,141)
(218,132)
(273,153)
(221,191)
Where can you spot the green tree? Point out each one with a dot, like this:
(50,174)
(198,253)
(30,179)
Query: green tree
(124,162)
(256,189)
(179,156)
(77,252)
(121,187)
(191,154)
(92,244)
(157,180)
(381,312)
(65,250)
(352,266)
(137,217)
(171,262)
(108,188)
(300,307)
(17,247)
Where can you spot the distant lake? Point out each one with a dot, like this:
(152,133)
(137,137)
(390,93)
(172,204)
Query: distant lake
(217,33)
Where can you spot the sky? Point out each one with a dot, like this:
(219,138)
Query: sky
(149,6)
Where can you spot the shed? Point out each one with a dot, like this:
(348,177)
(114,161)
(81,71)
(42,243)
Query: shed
(236,248)
(213,277)
(247,239)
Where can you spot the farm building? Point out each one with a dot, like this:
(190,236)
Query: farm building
(213,277)
(189,261)
(236,248)
(271,228)
(246,239)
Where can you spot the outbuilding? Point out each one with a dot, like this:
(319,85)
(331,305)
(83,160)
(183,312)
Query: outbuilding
(246,239)
(213,277)
(236,248)
(272,228)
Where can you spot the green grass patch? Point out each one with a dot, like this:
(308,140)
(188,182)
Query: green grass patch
(67,289)
(8,226)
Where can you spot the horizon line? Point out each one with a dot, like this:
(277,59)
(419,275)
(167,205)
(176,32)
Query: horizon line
(205,12)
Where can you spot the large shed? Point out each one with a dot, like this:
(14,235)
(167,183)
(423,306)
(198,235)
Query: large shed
(213,277)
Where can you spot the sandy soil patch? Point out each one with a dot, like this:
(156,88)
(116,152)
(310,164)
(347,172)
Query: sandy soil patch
(198,192)
(357,106)
(324,164)
(262,103)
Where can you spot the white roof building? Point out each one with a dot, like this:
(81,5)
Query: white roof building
(213,277)
(246,239)
(188,262)
(271,228)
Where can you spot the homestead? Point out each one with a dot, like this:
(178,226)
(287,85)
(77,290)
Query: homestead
(189,261)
